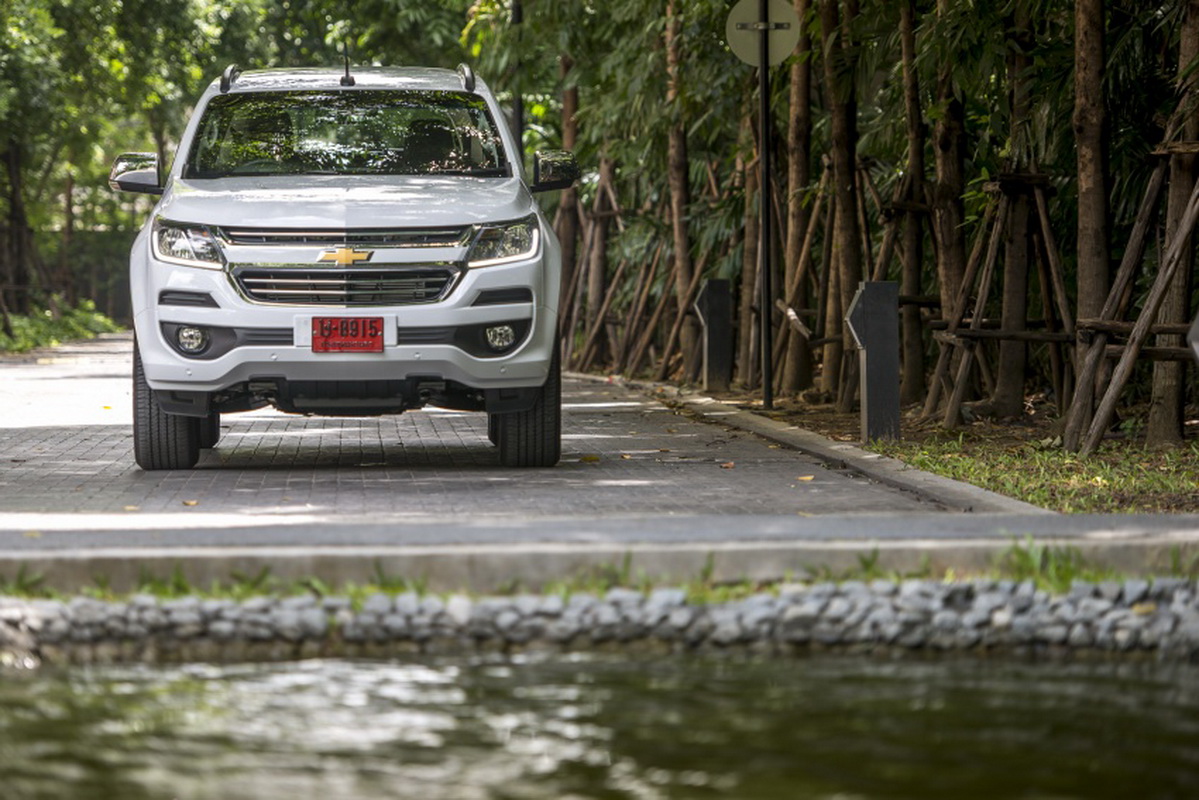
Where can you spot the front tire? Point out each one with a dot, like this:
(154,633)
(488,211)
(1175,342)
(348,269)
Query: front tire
(160,440)
(533,438)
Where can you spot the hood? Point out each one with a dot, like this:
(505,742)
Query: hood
(341,201)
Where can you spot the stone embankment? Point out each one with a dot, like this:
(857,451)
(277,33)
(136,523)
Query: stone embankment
(1158,618)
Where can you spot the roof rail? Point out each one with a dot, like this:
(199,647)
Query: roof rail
(468,77)
(228,77)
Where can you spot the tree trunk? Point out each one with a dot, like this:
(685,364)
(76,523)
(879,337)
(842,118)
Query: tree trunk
(1090,138)
(1164,428)
(747,365)
(797,365)
(568,213)
(680,190)
(1008,399)
(949,148)
(911,386)
(66,275)
(1089,134)
(839,86)
(20,250)
(597,265)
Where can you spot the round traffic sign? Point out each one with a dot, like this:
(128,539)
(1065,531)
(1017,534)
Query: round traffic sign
(743,31)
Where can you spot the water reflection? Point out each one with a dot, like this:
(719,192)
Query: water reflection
(603,727)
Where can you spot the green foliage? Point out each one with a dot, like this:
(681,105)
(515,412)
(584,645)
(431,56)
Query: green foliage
(1118,479)
(1051,567)
(43,328)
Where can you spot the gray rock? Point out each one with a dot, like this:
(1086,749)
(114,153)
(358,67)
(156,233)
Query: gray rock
(1021,602)
(620,596)
(335,604)
(727,632)
(1164,588)
(667,598)
(883,588)
(222,630)
(796,624)
(458,608)
(314,623)
(298,603)
(837,609)
(183,619)
(506,620)
(1135,591)
(189,604)
(987,602)
(552,605)
(854,588)
(1110,590)
(946,620)
(378,604)
(286,624)
(1093,608)
(1080,590)
(1080,635)
(1126,638)
(975,619)
(257,605)
(680,618)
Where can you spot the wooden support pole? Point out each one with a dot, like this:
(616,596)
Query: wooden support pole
(692,288)
(954,406)
(1140,332)
(941,373)
(1084,389)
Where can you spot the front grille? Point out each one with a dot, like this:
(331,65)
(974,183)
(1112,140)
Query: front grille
(376,286)
(354,237)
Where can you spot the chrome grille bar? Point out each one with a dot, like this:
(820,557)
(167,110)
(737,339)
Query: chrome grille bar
(379,286)
(359,237)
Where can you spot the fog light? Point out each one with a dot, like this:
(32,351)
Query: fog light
(500,337)
(191,340)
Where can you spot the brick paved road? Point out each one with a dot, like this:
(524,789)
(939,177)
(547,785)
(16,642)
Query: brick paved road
(66,463)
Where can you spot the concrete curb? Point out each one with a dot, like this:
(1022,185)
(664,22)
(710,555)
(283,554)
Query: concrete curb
(953,495)
(530,566)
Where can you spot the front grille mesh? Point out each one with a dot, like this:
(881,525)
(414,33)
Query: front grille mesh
(353,237)
(376,286)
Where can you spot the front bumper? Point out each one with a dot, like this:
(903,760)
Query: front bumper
(427,358)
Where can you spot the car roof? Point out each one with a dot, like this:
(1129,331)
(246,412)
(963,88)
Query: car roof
(300,79)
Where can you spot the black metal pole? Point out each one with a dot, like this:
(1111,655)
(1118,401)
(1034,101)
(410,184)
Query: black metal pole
(765,245)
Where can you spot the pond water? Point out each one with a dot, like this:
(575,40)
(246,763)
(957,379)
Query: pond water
(575,727)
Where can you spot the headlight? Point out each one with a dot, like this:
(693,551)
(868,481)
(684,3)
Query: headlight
(190,245)
(503,244)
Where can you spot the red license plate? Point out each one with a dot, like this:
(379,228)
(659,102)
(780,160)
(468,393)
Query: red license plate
(347,335)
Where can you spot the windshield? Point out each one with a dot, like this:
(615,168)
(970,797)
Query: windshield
(346,133)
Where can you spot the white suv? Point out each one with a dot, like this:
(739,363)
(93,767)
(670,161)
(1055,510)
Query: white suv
(341,244)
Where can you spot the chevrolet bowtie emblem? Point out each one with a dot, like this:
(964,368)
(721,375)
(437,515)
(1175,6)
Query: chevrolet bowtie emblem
(346,256)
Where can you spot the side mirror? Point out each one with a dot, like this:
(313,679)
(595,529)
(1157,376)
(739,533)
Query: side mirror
(135,172)
(554,169)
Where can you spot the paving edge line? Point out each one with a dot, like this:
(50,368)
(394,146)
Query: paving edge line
(954,495)
(532,566)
